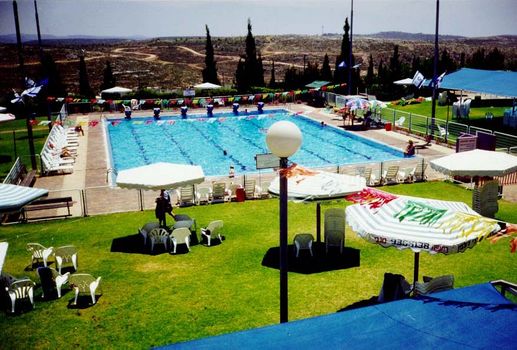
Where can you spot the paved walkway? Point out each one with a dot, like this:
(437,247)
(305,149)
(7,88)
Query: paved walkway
(90,180)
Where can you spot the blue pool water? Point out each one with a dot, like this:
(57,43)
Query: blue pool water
(202,141)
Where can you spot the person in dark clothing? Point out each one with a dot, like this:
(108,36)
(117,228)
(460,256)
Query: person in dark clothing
(160,210)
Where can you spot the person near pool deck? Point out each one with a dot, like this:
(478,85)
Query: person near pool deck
(163,206)
(410,149)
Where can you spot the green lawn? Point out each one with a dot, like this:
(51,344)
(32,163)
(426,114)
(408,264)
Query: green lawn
(150,300)
(20,141)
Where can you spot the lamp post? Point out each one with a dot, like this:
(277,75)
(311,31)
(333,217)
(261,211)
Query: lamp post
(283,139)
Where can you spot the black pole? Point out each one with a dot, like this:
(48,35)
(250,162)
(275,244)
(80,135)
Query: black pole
(283,242)
(350,53)
(318,222)
(415,272)
(435,70)
(22,73)
(38,30)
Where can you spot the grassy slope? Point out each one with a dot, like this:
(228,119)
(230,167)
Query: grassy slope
(153,300)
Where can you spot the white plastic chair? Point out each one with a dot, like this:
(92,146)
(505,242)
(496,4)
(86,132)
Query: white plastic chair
(303,241)
(158,236)
(84,283)
(180,236)
(66,254)
(54,278)
(19,290)
(334,228)
(212,231)
(39,252)
(203,195)
(146,229)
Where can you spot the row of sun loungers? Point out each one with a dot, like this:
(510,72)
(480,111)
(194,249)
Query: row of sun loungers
(393,175)
(59,152)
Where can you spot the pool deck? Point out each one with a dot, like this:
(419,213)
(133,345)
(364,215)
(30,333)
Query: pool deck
(90,169)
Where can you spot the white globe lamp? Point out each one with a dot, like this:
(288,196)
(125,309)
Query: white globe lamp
(284,138)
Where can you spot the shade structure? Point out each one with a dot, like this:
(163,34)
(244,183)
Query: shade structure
(471,317)
(406,81)
(14,197)
(319,186)
(160,176)
(476,163)
(3,253)
(419,224)
(207,86)
(5,117)
(117,90)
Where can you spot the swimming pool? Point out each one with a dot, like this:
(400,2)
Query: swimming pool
(223,140)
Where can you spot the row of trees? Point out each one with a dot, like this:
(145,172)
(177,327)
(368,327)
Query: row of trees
(249,74)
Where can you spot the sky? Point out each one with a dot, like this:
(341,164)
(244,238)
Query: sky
(158,18)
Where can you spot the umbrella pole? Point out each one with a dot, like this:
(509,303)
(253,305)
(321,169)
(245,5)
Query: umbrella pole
(318,222)
(415,272)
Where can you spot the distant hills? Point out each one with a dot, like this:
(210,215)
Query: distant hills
(87,39)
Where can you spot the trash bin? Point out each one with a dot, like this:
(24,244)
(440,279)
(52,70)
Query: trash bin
(240,195)
(387,126)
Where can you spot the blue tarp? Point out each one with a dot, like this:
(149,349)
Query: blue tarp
(465,318)
(495,82)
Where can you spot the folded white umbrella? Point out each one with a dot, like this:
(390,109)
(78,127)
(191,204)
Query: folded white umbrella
(476,163)
(14,197)
(320,186)
(159,176)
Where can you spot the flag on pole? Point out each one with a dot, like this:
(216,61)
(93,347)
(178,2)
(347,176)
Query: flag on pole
(437,80)
(342,64)
(418,79)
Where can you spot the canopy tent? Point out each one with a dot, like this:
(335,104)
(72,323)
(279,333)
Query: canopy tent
(406,81)
(159,176)
(115,91)
(501,83)
(317,84)
(207,86)
(14,197)
(472,317)
(476,162)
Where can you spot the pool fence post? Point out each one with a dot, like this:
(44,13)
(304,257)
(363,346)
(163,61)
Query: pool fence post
(141,199)
(409,122)
(84,209)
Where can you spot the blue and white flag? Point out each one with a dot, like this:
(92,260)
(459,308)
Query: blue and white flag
(29,82)
(437,80)
(342,64)
(418,79)
(356,66)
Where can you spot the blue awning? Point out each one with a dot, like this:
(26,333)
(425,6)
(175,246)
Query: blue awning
(13,197)
(472,317)
(495,82)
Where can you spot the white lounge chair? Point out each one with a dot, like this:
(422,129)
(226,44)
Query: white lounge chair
(212,231)
(334,228)
(400,122)
(391,175)
(203,195)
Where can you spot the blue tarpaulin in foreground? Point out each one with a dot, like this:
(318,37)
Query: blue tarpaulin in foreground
(472,317)
(501,83)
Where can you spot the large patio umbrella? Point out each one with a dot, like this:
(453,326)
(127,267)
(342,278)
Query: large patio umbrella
(309,185)
(476,163)
(159,176)
(3,253)
(5,117)
(14,197)
(207,86)
(419,224)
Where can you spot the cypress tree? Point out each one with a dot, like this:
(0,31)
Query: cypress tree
(84,85)
(210,71)
(326,72)
(240,77)
(260,71)
(109,80)
(341,74)
(50,72)
(369,79)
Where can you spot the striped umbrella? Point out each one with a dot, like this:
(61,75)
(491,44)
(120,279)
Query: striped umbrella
(14,197)
(420,224)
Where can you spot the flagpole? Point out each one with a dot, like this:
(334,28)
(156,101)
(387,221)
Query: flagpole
(39,32)
(22,72)
(350,53)
(435,70)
